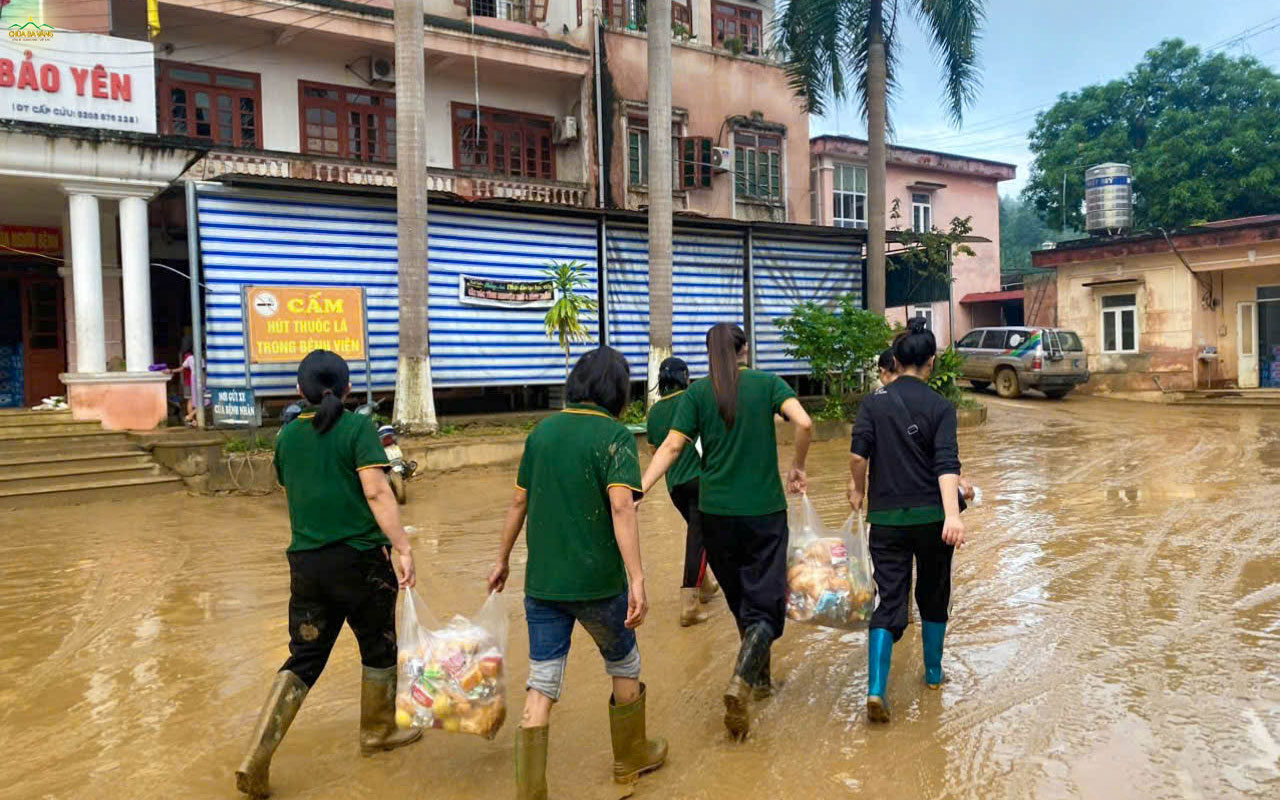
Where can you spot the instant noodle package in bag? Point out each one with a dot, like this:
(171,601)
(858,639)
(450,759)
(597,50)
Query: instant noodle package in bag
(828,575)
(450,676)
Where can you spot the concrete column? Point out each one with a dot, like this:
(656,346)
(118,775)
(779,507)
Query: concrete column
(135,262)
(86,280)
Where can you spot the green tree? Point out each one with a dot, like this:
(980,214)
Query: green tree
(926,257)
(840,344)
(1021,231)
(1202,134)
(830,45)
(564,319)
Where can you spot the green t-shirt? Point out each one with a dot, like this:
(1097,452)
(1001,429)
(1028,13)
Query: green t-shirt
(687,466)
(570,461)
(739,464)
(320,476)
(906,517)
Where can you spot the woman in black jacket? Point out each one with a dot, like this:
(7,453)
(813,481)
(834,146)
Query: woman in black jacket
(908,433)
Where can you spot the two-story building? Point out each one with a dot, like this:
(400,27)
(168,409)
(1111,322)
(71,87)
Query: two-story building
(926,189)
(282,116)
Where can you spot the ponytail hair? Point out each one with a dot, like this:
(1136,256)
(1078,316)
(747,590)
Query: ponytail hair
(673,376)
(916,345)
(324,379)
(724,342)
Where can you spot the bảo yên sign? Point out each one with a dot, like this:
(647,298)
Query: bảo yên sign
(499,293)
(71,78)
(287,322)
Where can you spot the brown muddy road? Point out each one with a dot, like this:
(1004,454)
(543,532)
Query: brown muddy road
(1116,634)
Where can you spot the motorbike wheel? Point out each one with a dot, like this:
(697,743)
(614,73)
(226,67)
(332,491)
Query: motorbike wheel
(397,486)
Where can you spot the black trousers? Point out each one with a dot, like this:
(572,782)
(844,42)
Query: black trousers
(892,551)
(337,584)
(749,556)
(685,498)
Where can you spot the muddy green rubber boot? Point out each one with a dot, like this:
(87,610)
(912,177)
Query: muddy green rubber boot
(931,636)
(287,694)
(634,753)
(531,763)
(752,656)
(378,730)
(879,655)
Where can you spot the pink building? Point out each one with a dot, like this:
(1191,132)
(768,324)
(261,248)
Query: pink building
(929,189)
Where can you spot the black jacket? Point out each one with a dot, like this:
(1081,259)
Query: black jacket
(904,475)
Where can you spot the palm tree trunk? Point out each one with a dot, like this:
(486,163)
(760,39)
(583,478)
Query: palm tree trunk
(660,206)
(877,190)
(415,409)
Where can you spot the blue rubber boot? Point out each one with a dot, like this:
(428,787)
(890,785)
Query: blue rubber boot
(879,654)
(931,636)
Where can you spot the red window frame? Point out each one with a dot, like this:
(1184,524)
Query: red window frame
(534,10)
(500,129)
(364,130)
(729,21)
(223,97)
(618,14)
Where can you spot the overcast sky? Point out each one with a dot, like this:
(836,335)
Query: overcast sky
(1033,50)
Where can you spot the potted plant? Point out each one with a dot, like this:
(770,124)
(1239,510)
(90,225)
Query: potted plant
(734,45)
(564,319)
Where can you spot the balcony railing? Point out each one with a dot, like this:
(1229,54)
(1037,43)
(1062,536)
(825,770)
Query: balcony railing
(464,184)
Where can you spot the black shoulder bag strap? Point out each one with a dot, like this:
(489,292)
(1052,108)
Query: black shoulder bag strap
(902,416)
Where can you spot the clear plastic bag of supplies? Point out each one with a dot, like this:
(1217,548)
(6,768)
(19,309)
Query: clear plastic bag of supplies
(451,676)
(828,573)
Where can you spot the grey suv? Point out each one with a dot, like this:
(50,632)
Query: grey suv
(1016,358)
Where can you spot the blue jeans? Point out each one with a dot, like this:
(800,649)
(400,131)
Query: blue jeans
(551,630)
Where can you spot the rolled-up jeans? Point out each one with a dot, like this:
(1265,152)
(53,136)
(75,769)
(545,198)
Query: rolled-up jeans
(551,630)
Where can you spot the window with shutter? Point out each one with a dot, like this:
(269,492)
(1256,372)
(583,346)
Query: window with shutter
(221,105)
(757,166)
(347,122)
(503,142)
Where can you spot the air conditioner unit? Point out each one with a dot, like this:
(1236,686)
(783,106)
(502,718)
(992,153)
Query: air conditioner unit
(566,130)
(382,70)
(722,159)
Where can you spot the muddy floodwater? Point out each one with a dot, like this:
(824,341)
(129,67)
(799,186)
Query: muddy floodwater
(1115,634)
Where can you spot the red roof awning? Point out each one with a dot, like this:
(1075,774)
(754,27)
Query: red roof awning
(991,297)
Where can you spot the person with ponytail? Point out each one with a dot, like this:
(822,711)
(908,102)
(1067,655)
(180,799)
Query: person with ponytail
(345,523)
(907,432)
(741,500)
(697,586)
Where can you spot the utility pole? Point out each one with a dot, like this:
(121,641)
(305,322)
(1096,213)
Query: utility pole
(415,408)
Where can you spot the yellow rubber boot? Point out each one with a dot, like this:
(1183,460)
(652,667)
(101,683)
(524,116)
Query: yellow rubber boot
(634,753)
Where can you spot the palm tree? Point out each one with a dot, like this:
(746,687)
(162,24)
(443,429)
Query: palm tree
(564,319)
(826,44)
(415,408)
(660,175)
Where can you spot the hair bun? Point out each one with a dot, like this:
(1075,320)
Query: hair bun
(918,325)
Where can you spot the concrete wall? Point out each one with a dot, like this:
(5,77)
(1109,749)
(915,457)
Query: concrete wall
(1040,299)
(712,85)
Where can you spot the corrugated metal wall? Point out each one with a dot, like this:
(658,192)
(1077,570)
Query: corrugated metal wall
(707,287)
(787,272)
(252,237)
(249,237)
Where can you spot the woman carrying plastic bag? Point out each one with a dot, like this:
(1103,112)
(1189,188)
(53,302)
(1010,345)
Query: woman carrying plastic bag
(829,579)
(451,677)
(908,433)
(578,481)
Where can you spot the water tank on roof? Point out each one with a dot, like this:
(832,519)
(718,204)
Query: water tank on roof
(1108,199)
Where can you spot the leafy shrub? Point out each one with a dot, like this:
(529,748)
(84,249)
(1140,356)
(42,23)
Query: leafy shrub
(841,345)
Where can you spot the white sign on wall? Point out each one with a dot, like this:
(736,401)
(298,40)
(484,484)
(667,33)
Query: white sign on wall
(82,79)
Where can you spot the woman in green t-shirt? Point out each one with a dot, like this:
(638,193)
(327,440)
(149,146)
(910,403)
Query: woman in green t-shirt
(577,485)
(696,586)
(740,496)
(345,521)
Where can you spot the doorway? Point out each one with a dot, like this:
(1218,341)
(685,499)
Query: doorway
(33,350)
(1268,337)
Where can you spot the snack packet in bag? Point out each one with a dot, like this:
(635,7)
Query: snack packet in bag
(451,676)
(828,574)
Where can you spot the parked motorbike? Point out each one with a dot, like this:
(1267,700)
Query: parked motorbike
(398,470)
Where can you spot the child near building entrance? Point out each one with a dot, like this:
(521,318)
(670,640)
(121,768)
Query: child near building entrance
(577,485)
(345,521)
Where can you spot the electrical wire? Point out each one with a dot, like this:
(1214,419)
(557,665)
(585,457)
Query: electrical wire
(107,266)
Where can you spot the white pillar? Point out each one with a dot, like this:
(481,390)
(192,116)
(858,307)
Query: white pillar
(135,262)
(86,280)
